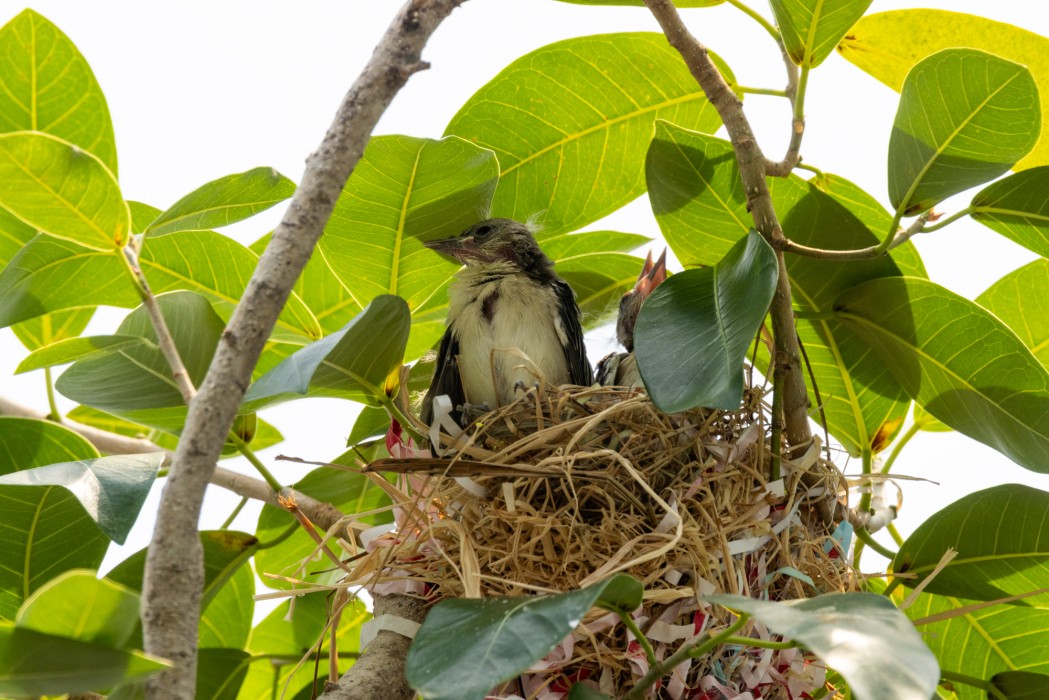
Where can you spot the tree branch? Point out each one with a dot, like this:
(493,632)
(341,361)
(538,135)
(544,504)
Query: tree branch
(787,356)
(174,567)
(324,515)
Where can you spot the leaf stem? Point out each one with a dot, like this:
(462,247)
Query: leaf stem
(292,528)
(802,165)
(896,536)
(980,683)
(243,448)
(754,15)
(865,497)
(866,538)
(160,327)
(697,646)
(406,423)
(631,625)
(236,511)
(760,643)
(901,442)
(761,91)
(949,220)
(55,414)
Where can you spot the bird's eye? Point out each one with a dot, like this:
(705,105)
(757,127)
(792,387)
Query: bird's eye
(482,231)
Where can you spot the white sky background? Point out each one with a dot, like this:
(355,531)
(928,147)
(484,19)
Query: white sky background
(198,90)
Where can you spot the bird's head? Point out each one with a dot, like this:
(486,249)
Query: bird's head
(496,241)
(652,274)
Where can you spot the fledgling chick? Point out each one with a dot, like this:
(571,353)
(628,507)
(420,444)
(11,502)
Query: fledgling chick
(511,320)
(620,368)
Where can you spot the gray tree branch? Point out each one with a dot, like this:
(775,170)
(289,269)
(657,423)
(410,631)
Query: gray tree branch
(174,568)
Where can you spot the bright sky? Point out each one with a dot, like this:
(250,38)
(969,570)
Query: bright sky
(198,90)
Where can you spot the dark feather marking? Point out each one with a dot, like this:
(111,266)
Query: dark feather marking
(488,305)
(446,379)
(579,369)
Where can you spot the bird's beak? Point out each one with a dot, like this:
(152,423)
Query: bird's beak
(461,248)
(652,274)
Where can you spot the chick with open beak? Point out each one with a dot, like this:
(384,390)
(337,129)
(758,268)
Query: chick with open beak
(511,320)
(620,368)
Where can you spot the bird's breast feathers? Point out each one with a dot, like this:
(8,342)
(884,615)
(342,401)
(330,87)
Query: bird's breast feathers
(509,330)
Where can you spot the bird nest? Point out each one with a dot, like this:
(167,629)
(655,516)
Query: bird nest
(565,487)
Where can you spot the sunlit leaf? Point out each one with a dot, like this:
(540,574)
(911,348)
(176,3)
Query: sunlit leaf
(220,673)
(37,332)
(812,28)
(497,638)
(859,635)
(47,85)
(1001,535)
(888,44)
(1021,301)
(73,349)
(226,621)
(581,112)
(962,364)
(62,190)
(1017,207)
(965,117)
(223,202)
(79,606)
(694,330)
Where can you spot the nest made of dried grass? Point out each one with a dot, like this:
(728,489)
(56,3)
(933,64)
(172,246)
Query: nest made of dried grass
(567,486)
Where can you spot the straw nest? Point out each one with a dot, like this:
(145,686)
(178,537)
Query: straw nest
(568,486)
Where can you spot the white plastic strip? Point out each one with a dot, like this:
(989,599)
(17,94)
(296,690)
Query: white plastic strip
(400,625)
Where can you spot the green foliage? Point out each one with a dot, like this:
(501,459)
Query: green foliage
(695,329)
(812,28)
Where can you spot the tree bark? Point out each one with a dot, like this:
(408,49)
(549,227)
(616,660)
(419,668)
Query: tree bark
(174,567)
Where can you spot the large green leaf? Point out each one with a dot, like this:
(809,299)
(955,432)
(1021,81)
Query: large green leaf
(1017,208)
(1021,301)
(79,606)
(693,332)
(226,621)
(812,28)
(678,3)
(355,362)
(50,274)
(72,349)
(32,664)
(570,123)
(696,193)
(111,489)
(61,190)
(405,190)
(982,642)
(135,382)
(888,44)
(47,85)
(598,273)
(1001,535)
(350,493)
(224,201)
(34,515)
(1021,685)
(35,333)
(859,635)
(497,638)
(963,365)
(220,673)
(965,117)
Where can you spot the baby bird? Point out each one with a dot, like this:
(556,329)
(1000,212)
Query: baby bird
(511,321)
(620,368)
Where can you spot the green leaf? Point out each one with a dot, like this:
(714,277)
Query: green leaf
(859,635)
(926,422)
(224,201)
(351,493)
(1021,301)
(371,422)
(599,280)
(694,331)
(405,190)
(696,193)
(47,85)
(34,515)
(1017,208)
(354,362)
(1001,535)
(982,642)
(62,190)
(37,332)
(678,3)
(579,690)
(1021,685)
(226,621)
(135,382)
(570,123)
(959,362)
(220,673)
(73,349)
(570,245)
(812,28)
(79,606)
(497,638)
(107,421)
(888,44)
(111,489)
(965,117)
(48,275)
(32,663)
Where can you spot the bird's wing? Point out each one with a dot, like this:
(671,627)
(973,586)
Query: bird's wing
(575,351)
(608,368)
(446,378)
